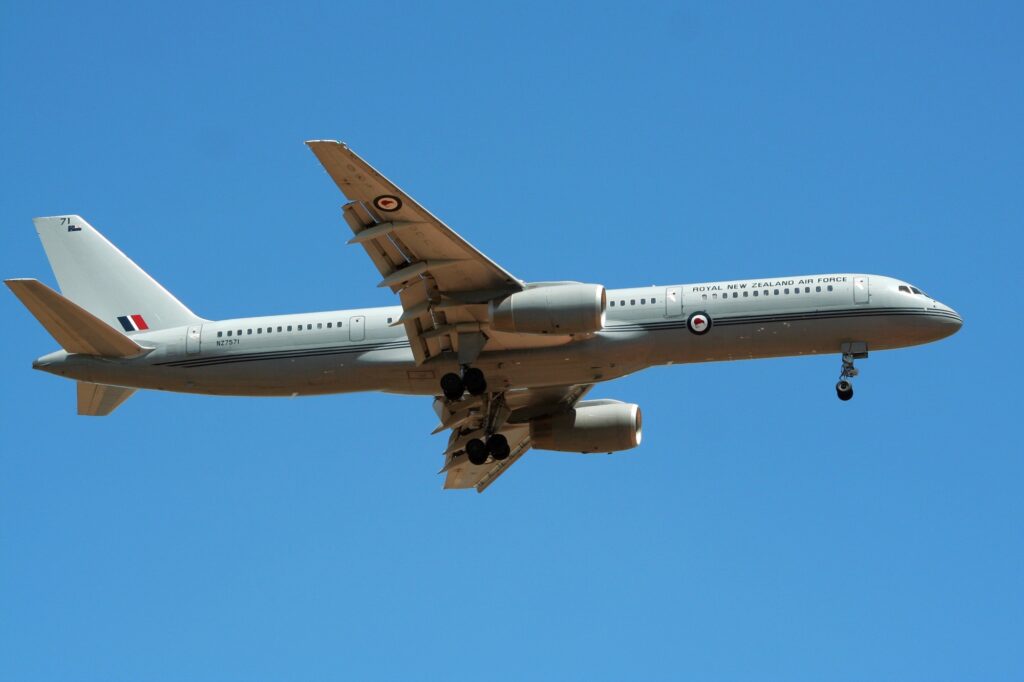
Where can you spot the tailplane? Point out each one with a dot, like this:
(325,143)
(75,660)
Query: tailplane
(74,328)
(97,276)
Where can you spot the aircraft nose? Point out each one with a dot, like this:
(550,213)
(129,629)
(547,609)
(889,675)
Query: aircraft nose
(952,319)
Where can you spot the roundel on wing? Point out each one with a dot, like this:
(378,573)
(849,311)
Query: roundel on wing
(699,322)
(387,202)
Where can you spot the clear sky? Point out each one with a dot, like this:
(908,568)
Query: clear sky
(763,530)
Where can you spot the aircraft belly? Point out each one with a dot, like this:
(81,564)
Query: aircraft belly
(728,341)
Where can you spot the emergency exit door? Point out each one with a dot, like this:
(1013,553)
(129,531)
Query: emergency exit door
(357,328)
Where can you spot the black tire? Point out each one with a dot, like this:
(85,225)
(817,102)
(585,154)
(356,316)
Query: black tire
(844,389)
(474,381)
(497,446)
(476,451)
(452,386)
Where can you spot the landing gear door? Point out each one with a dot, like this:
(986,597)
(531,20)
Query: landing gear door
(861,290)
(673,301)
(356,328)
(192,339)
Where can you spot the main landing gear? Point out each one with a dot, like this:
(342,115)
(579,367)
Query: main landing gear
(472,380)
(844,389)
(496,446)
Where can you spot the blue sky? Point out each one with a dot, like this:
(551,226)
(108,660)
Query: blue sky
(763,530)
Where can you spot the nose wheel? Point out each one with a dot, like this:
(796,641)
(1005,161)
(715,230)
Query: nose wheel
(472,381)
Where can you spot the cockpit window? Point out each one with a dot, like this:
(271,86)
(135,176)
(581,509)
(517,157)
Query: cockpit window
(917,291)
(905,289)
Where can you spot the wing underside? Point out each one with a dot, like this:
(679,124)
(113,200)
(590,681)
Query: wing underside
(443,283)
(506,413)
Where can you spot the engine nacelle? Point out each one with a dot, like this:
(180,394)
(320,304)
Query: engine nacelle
(551,309)
(592,426)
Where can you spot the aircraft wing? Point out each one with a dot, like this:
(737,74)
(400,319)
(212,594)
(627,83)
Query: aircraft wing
(442,281)
(506,413)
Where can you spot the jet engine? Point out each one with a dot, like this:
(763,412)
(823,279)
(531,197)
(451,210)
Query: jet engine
(592,426)
(569,308)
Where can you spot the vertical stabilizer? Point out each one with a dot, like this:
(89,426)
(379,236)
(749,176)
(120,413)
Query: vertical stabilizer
(94,273)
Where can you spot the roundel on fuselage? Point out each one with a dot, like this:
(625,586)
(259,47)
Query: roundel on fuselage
(699,322)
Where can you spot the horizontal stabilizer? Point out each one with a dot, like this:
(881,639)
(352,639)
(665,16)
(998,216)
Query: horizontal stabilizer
(99,400)
(75,329)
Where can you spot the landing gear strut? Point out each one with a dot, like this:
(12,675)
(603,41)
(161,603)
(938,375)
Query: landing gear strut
(472,380)
(844,389)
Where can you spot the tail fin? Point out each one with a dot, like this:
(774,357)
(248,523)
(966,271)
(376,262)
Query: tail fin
(99,400)
(94,273)
(74,328)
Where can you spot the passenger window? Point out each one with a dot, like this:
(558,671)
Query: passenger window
(786,290)
(830,287)
(339,325)
(632,301)
(389,321)
(735,294)
(220,334)
(319,325)
(817,290)
(776,292)
(330,323)
(796,290)
(613,304)
(643,301)
(259,330)
(703,297)
(714,296)
(653,301)
(270,329)
(239,332)
(622,303)
(755,292)
(746,294)
(229,332)
(807,290)
(309,326)
(279,329)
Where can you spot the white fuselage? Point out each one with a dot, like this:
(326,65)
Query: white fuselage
(360,350)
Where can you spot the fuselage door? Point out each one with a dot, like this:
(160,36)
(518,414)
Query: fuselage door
(357,328)
(192,337)
(673,301)
(861,290)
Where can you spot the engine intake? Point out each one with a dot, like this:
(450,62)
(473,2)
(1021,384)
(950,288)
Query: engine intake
(551,309)
(592,426)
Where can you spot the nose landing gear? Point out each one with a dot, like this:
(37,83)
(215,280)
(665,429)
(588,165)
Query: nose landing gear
(844,388)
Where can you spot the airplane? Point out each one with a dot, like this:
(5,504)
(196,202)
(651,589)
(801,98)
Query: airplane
(508,362)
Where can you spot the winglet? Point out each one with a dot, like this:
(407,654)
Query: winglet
(74,328)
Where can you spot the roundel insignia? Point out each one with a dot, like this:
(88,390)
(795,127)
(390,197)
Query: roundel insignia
(387,202)
(699,322)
